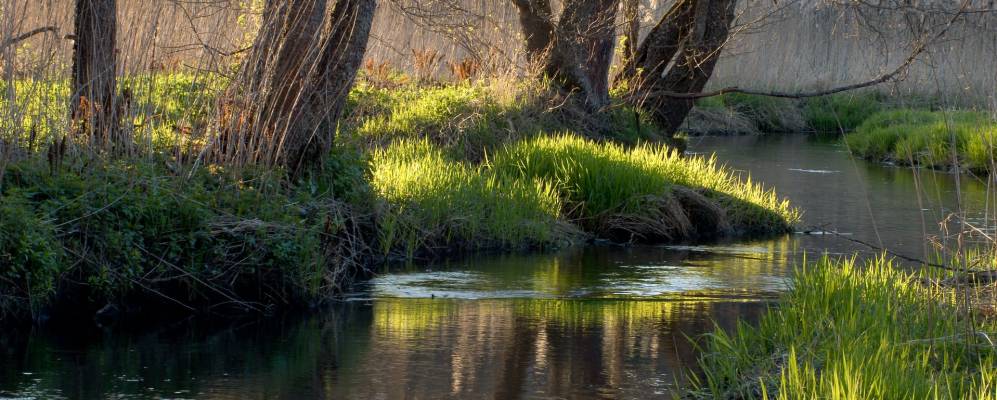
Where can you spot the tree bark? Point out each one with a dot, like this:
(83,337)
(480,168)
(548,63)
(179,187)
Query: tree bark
(294,84)
(577,50)
(678,56)
(93,107)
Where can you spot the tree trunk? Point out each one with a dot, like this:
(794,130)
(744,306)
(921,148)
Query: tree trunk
(340,56)
(678,56)
(93,107)
(631,26)
(577,51)
(294,84)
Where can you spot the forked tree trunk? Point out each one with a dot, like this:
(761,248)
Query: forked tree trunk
(93,107)
(577,50)
(678,56)
(294,84)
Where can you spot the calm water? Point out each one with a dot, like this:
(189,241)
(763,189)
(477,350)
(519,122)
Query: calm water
(594,322)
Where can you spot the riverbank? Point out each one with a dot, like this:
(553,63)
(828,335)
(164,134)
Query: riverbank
(855,331)
(948,140)
(418,172)
(909,132)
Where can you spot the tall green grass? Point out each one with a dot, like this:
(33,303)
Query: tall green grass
(434,202)
(848,331)
(600,179)
(914,137)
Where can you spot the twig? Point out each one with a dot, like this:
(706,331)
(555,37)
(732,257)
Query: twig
(918,49)
(885,250)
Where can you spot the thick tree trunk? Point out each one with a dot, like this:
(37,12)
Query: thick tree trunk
(536,21)
(340,56)
(678,56)
(294,84)
(93,105)
(576,52)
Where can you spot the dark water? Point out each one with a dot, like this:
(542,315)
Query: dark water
(594,322)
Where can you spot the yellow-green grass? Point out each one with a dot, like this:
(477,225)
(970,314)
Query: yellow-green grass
(848,331)
(432,202)
(841,112)
(600,180)
(938,139)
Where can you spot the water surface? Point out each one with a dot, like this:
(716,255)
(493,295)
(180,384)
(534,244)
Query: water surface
(590,322)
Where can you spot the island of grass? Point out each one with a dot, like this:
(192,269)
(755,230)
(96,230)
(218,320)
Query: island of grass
(417,172)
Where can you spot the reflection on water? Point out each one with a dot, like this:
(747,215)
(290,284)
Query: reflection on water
(392,348)
(593,322)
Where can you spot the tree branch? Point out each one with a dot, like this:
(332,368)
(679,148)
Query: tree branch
(25,36)
(921,46)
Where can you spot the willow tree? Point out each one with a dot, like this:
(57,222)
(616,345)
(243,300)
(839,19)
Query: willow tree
(575,48)
(677,57)
(291,90)
(93,105)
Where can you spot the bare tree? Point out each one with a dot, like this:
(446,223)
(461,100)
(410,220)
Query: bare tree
(294,84)
(93,106)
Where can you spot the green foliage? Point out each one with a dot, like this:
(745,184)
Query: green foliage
(840,112)
(167,109)
(123,228)
(30,264)
(432,201)
(914,137)
(852,332)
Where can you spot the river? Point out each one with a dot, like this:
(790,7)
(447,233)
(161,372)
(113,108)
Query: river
(584,322)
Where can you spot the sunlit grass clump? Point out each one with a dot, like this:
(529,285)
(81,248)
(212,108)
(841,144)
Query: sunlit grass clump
(602,182)
(434,202)
(847,331)
(939,139)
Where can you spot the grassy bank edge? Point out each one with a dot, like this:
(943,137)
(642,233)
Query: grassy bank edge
(852,331)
